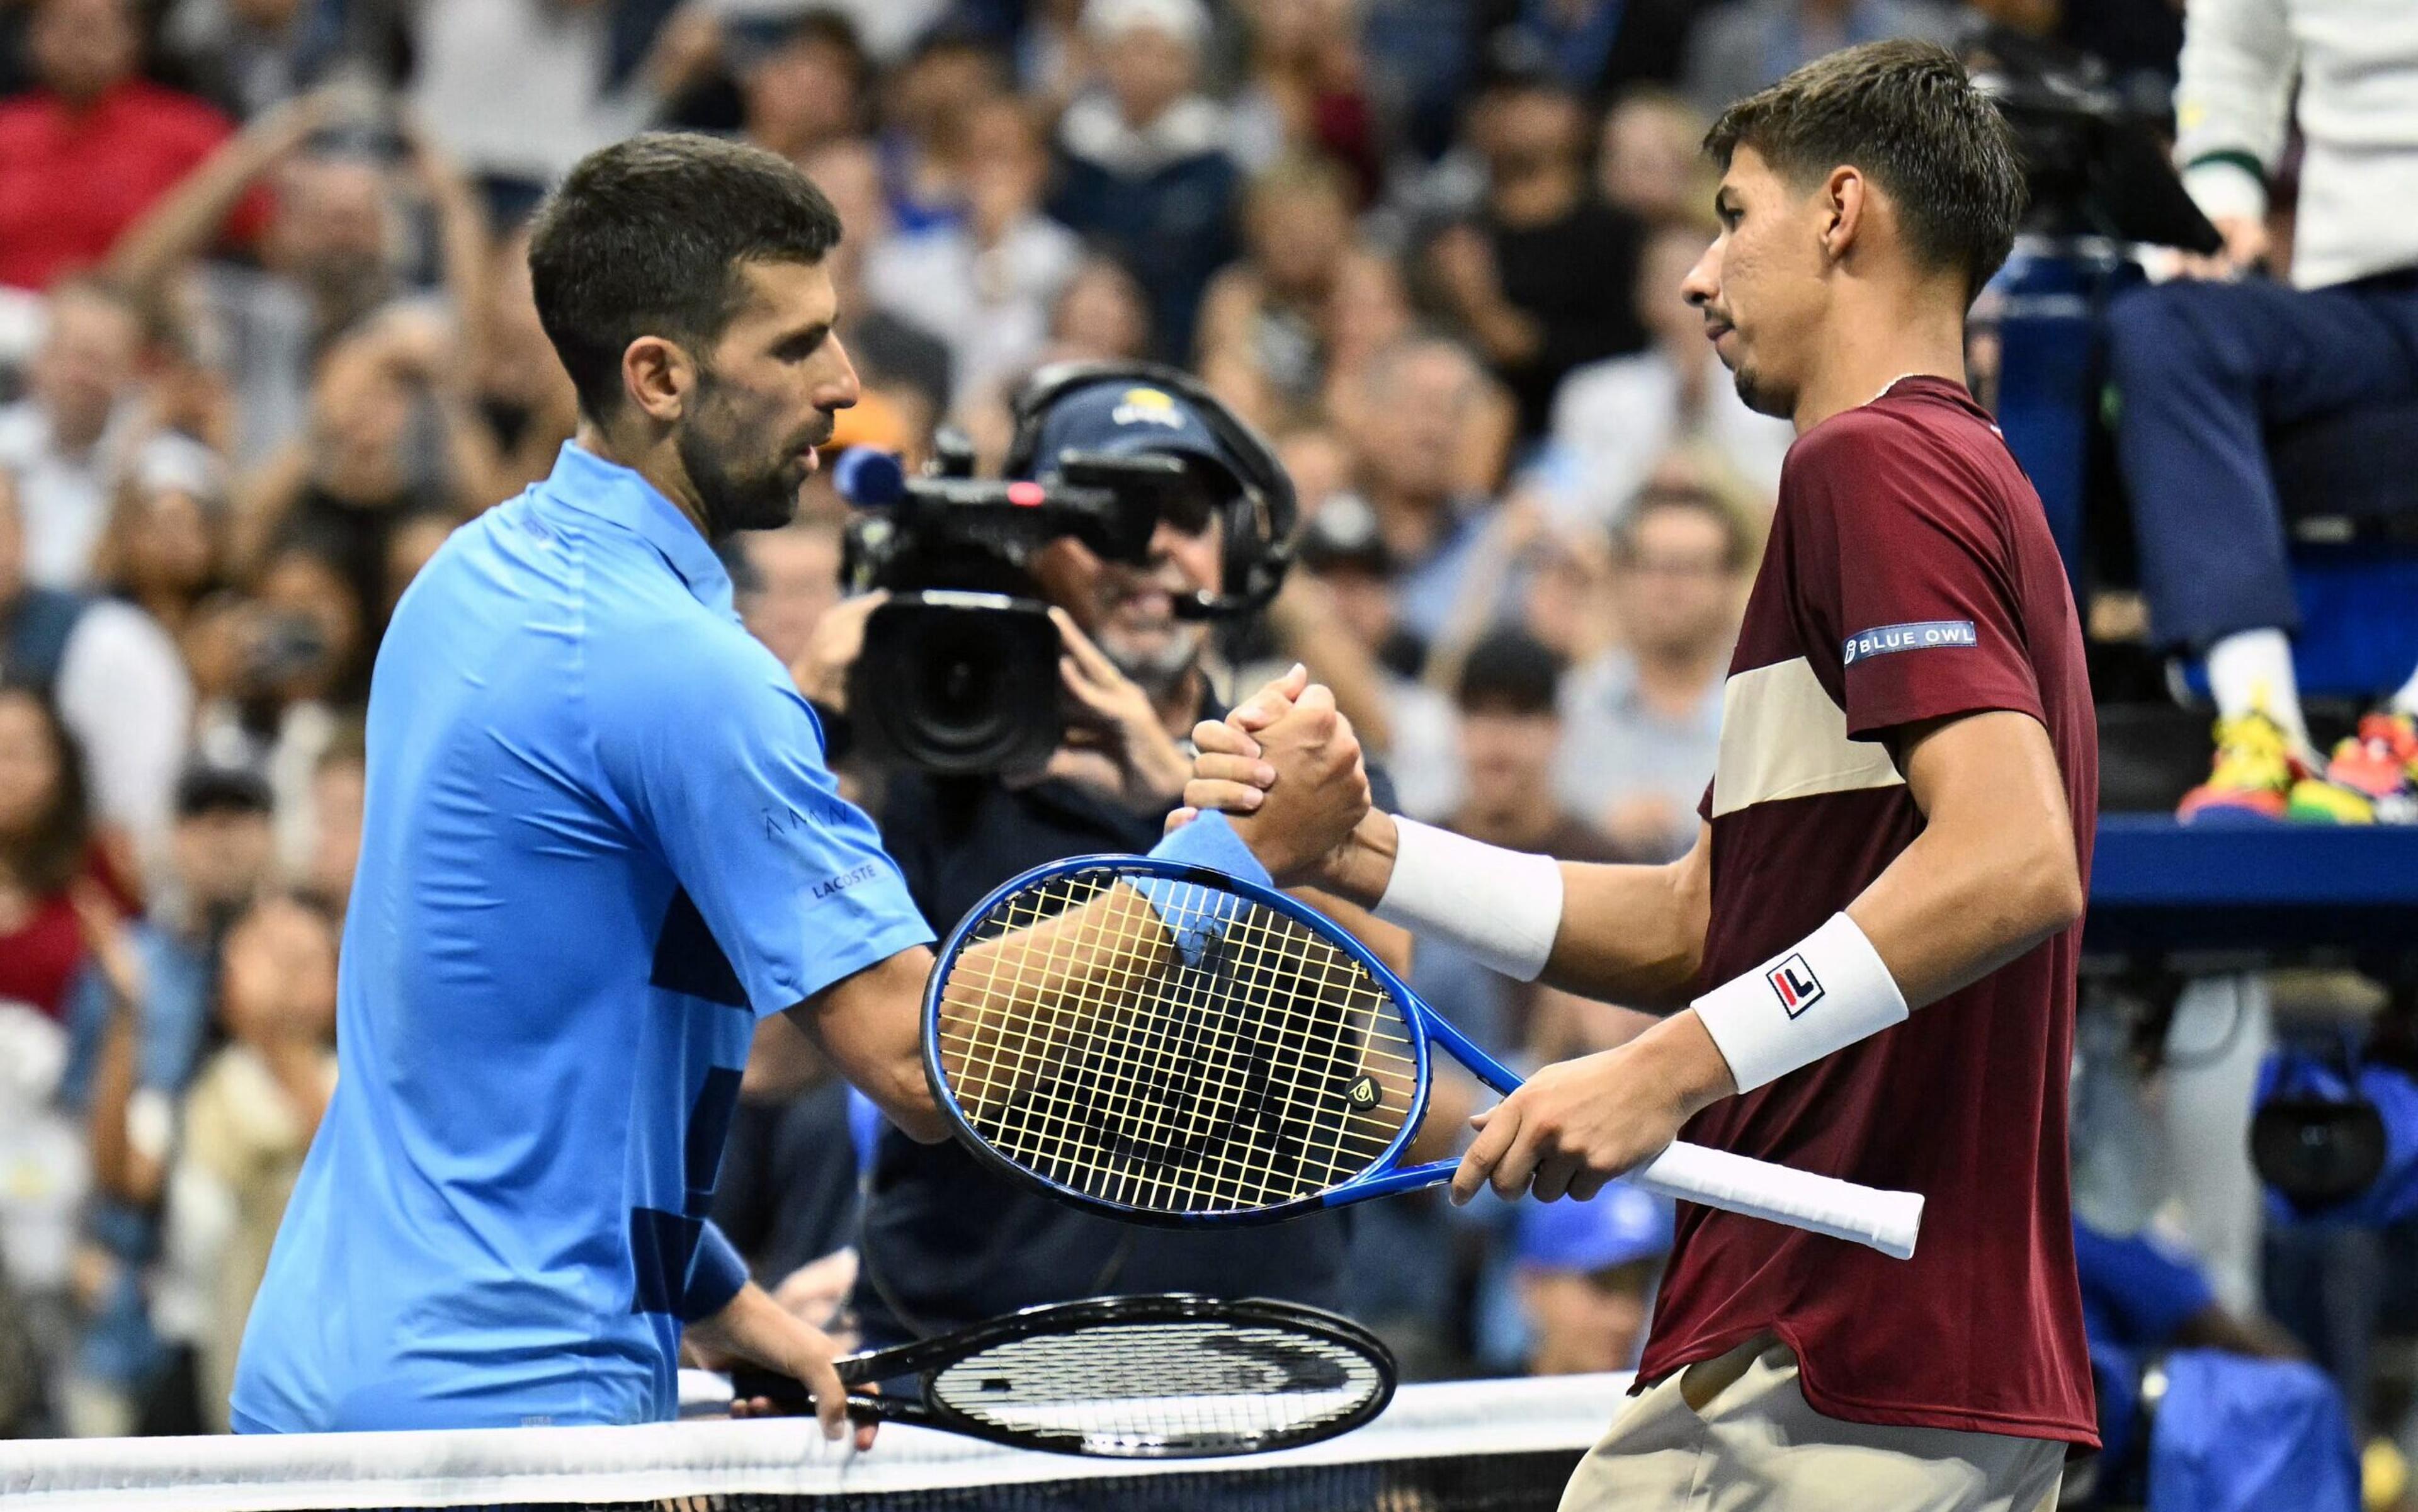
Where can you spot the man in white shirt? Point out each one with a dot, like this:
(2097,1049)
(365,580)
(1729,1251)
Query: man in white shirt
(118,683)
(2204,367)
(61,439)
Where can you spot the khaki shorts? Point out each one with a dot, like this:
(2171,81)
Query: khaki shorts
(1733,1435)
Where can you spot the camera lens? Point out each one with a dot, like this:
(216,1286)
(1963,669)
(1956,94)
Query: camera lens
(960,682)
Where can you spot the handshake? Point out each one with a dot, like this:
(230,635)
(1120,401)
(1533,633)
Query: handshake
(1285,768)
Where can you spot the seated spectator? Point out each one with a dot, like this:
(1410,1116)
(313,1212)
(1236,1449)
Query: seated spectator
(2205,367)
(1417,402)
(1644,720)
(138,1016)
(1742,45)
(85,153)
(1595,48)
(1261,346)
(248,56)
(791,577)
(926,109)
(247,1122)
(984,280)
(519,387)
(1541,278)
(338,786)
(115,678)
(1307,95)
(801,83)
(49,845)
(331,258)
(1614,420)
(1650,160)
(65,440)
(167,547)
(1585,1274)
(1146,176)
(889,348)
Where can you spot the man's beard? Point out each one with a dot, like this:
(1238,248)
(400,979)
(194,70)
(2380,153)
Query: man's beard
(758,498)
(1761,397)
(1159,668)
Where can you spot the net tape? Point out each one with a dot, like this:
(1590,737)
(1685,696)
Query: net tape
(1267,1069)
(1454,1421)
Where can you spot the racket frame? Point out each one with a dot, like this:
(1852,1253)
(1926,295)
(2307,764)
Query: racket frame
(925,1359)
(1379,1178)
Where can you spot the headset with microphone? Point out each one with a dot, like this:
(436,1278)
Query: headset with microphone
(1258,519)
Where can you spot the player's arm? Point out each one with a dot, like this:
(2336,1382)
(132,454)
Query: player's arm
(870,1025)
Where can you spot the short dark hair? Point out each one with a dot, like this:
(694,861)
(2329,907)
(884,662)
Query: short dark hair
(1907,113)
(1510,672)
(1738,537)
(645,238)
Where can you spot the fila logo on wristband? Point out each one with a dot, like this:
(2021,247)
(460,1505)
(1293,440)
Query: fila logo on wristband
(1798,987)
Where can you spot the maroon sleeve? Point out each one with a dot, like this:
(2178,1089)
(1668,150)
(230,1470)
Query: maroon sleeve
(1922,605)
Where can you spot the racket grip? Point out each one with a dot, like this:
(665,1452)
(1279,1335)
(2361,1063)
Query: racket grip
(1886,1221)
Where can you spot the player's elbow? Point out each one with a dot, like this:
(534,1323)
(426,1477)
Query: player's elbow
(917,1116)
(2049,888)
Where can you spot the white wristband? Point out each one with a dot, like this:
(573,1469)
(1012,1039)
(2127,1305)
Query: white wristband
(1830,991)
(1503,907)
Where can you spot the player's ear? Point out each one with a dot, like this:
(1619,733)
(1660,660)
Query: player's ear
(657,374)
(1843,202)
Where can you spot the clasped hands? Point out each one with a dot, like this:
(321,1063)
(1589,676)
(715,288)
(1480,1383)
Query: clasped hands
(1285,768)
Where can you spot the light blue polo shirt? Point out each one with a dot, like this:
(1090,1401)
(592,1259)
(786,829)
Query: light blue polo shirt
(599,842)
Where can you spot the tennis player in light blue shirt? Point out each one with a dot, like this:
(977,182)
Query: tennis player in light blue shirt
(600,841)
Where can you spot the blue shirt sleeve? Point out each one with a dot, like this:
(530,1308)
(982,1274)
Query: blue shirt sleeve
(719,764)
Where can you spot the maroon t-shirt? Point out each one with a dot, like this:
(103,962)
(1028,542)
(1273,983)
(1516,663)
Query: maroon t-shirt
(1910,576)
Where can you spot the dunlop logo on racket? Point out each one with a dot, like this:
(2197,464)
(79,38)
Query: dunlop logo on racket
(1364,1094)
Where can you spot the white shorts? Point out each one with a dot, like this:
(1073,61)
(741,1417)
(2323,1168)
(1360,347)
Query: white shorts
(1733,1435)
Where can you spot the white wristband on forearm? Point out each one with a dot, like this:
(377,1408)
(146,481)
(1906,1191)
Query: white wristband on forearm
(1503,907)
(1831,990)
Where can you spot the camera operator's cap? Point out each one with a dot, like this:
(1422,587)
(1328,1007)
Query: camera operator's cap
(208,788)
(1619,1226)
(1126,417)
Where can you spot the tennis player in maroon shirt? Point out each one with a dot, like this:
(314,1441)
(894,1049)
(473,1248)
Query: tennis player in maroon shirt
(1900,820)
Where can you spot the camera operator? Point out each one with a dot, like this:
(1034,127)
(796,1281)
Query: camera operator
(2203,366)
(942,1241)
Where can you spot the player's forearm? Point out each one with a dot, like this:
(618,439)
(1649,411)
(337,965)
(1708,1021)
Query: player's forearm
(871,1027)
(1959,903)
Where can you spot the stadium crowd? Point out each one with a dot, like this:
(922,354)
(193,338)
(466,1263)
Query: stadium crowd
(267,336)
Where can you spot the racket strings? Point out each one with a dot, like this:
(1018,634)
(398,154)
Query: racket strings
(1267,1069)
(1191,1387)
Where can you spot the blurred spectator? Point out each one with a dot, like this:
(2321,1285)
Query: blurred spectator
(1101,314)
(1594,47)
(65,439)
(519,90)
(1146,175)
(48,845)
(138,1016)
(1541,278)
(247,1122)
(802,83)
(248,55)
(1418,401)
(332,259)
(1614,420)
(891,351)
(167,546)
(1643,720)
(1261,346)
(338,785)
(927,107)
(1585,1275)
(1743,45)
(1305,94)
(392,436)
(1650,160)
(985,279)
(1368,311)
(522,393)
(89,149)
(115,678)
(791,577)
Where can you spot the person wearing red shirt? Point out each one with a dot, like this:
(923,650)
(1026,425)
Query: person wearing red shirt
(1900,819)
(48,852)
(85,153)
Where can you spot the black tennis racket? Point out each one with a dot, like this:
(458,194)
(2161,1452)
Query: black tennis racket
(1165,1043)
(1170,1376)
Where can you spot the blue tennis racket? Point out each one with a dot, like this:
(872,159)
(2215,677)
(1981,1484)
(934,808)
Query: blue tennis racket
(1165,1043)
